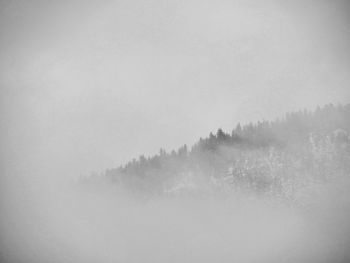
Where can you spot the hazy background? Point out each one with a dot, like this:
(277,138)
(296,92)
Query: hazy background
(87,85)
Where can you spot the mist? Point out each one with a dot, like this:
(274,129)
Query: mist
(108,113)
(86,86)
(65,222)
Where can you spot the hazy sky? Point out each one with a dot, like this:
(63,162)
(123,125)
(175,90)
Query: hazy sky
(87,85)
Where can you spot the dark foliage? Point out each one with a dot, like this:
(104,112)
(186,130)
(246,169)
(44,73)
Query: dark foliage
(265,157)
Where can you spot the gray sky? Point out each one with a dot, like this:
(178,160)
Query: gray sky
(87,85)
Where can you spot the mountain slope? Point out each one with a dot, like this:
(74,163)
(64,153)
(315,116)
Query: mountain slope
(280,157)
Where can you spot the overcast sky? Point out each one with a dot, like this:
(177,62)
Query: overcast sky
(88,85)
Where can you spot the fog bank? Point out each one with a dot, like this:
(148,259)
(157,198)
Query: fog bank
(65,222)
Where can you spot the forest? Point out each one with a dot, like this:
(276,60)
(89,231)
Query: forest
(282,158)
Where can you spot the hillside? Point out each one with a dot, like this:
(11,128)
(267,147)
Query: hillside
(281,157)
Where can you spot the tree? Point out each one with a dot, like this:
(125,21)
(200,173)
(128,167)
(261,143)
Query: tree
(182,152)
(220,135)
(238,129)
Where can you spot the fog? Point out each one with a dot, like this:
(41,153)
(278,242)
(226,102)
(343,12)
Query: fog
(86,86)
(67,222)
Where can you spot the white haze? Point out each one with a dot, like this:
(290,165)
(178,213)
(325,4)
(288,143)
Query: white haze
(88,85)
(65,222)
